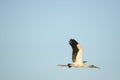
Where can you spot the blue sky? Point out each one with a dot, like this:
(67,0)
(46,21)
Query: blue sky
(34,37)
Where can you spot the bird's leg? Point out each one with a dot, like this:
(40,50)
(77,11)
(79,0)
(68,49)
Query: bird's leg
(84,61)
(93,66)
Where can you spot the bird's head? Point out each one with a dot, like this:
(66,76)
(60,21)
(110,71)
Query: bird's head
(69,65)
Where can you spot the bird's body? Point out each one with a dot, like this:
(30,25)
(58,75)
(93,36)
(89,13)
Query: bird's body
(77,56)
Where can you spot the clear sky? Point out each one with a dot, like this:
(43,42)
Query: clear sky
(34,37)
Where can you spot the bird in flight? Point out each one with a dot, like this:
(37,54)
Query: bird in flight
(77,57)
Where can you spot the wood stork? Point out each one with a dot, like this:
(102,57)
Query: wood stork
(77,56)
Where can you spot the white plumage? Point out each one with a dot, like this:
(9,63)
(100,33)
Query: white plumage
(77,56)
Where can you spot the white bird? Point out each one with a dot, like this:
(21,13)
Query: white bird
(77,56)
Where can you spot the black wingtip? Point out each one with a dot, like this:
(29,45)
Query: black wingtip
(73,41)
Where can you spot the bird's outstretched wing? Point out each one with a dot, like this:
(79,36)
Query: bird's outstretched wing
(77,51)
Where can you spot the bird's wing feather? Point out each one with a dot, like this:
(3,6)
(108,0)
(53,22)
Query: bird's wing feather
(77,51)
(79,55)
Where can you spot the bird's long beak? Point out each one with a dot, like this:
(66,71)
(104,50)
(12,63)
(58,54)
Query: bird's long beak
(62,65)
